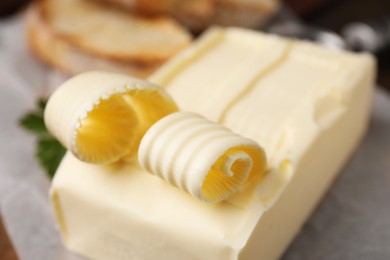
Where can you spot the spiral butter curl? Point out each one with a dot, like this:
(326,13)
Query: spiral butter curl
(200,157)
(101,117)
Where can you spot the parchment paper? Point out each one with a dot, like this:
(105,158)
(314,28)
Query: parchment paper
(352,222)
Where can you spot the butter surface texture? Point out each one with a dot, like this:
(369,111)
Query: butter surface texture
(307,106)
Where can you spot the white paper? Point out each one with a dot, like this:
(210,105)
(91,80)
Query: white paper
(24,204)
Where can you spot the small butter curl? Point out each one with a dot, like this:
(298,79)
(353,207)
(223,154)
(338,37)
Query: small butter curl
(202,158)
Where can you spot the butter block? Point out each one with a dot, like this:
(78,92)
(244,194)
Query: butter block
(307,106)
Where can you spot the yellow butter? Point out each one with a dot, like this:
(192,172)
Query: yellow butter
(307,105)
(201,157)
(101,117)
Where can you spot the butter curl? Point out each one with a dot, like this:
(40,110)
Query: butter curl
(200,157)
(101,117)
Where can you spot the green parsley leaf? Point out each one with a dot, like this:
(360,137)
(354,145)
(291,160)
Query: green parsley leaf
(33,122)
(49,150)
(49,153)
(42,104)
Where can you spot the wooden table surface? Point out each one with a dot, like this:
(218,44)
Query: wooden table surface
(329,14)
(6,250)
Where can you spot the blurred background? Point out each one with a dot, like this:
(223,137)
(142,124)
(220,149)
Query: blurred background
(358,25)
(338,16)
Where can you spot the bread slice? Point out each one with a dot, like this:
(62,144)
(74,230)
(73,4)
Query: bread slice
(81,35)
(199,14)
(150,7)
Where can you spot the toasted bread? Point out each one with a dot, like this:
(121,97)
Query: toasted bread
(80,35)
(150,7)
(199,14)
(243,13)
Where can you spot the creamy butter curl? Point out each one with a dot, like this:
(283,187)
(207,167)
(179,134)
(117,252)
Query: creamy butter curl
(101,117)
(200,157)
